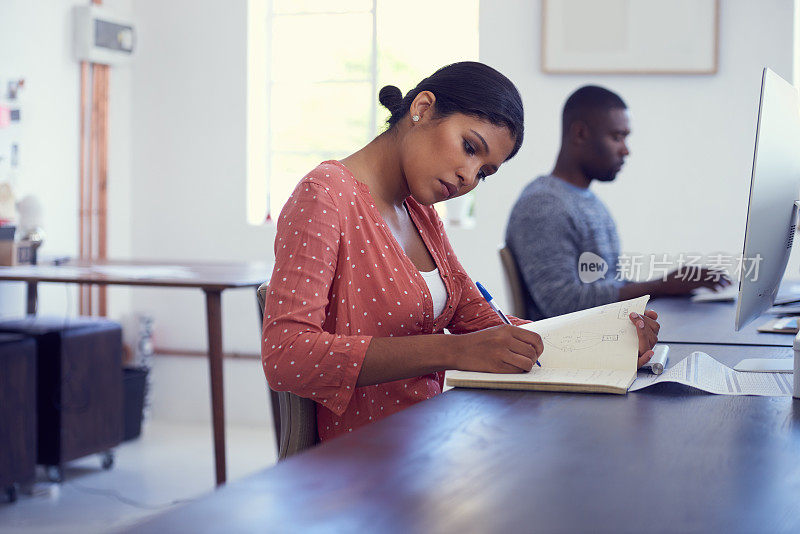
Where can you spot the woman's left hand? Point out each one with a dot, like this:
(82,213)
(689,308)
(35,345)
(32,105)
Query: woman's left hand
(647,329)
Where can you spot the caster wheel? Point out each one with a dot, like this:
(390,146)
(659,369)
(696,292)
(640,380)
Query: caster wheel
(54,473)
(11,491)
(108,460)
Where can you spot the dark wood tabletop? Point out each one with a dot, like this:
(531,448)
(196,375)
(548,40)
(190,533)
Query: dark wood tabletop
(683,321)
(666,459)
(164,273)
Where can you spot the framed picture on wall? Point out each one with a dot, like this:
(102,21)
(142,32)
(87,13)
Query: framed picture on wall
(630,36)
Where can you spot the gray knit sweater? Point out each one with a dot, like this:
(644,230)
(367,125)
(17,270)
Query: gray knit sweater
(552,224)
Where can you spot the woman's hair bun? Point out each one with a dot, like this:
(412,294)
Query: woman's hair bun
(390,97)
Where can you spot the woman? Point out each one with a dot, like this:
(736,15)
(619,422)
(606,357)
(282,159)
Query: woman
(365,280)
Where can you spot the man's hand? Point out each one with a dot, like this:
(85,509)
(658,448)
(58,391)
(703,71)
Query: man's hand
(687,279)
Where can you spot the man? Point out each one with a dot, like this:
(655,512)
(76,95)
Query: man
(562,236)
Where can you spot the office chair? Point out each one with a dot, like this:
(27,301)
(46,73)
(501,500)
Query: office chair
(296,416)
(514,285)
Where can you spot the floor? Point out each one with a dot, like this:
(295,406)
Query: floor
(169,464)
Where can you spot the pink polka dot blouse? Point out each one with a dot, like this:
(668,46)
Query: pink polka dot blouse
(340,279)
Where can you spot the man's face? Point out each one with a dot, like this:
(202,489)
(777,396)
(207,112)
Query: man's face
(606,147)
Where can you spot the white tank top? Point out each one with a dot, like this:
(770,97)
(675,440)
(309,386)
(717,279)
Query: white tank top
(437,289)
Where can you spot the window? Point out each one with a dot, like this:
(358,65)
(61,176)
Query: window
(325,62)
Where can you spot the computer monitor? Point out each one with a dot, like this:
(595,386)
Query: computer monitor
(771,212)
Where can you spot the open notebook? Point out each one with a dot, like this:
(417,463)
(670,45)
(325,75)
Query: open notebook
(592,351)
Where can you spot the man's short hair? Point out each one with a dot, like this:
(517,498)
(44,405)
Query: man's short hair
(586,101)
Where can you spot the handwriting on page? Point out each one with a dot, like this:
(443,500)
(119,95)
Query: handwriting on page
(598,338)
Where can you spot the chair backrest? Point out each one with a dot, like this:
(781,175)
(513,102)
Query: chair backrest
(297,426)
(514,285)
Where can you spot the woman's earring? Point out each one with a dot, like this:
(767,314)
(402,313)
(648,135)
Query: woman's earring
(415,118)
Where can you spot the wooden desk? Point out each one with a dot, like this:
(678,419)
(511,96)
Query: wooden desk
(212,278)
(684,321)
(668,458)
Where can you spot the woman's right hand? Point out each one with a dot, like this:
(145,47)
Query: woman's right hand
(499,349)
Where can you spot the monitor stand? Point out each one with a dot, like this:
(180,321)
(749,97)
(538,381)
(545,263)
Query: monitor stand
(776,365)
(766,365)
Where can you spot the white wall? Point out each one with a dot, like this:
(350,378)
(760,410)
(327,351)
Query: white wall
(685,186)
(177,155)
(188,197)
(36,44)
(176,181)
(180,391)
(188,194)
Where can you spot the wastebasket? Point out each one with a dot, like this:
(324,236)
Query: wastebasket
(134,387)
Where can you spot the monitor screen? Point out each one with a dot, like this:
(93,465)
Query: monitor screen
(774,188)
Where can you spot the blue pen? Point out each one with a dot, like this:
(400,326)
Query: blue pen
(502,315)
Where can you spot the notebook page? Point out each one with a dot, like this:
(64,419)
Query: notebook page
(598,338)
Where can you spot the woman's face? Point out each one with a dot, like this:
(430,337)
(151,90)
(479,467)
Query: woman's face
(445,158)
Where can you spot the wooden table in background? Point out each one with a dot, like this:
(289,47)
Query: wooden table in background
(212,278)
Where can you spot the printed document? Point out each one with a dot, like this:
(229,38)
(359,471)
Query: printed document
(701,371)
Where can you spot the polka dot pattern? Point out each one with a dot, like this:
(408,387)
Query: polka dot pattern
(340,279)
